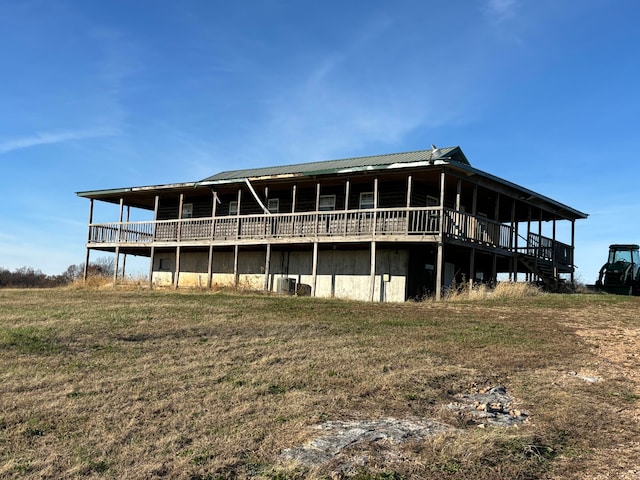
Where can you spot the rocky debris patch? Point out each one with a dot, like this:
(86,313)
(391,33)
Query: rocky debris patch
(353,444)
(488,406)
(349,444)
(586,378)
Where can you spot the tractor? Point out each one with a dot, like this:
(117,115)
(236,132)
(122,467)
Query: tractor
(621,273)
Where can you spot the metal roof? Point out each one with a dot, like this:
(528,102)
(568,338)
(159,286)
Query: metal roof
(345,165)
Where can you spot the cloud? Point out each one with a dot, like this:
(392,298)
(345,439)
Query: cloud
(48,138)
(501,10)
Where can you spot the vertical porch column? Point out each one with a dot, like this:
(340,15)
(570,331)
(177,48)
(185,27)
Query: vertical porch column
(458,194)
(211,238)
(347,187)
(514,242)
(267,264)
(571,252)
(472,260)
(409,187)
(553,251)
(124,257)
(179,233)
(375,206)
(236,273)
(117,253)
(315,223)
(85,273)
(293,210)
(153,242)
(440,258)
(528,274)
(314,269)
(372,274)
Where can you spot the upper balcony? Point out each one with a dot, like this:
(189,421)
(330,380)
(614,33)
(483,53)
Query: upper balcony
(392,224)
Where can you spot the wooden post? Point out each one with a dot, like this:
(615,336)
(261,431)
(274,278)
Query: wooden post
(553,252)
(124,257)
(458,194)
(346,206)
(514,242)
(153,248)
(314,269)
(117,253)
(315,226)
(440,258)
(293,199)
(267,263)
(472,267)
(409,186)
(571,260)
(86,258)
(211,239)
(372,274)
(236,273)
(375,207)
(178,235)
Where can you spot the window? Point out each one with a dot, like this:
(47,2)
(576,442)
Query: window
(327,203)
(165,265)
(233,208)
(187,210)
(366,200)
(432,201)
(273,205)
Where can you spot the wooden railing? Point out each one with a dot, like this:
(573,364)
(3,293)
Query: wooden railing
(382,222)
(547,249)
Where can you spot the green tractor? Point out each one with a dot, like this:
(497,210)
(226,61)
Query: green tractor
(621,273)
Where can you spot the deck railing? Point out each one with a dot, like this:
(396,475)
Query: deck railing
(381,222)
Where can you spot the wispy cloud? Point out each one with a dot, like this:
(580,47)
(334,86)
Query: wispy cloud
(48,138)
(501,10)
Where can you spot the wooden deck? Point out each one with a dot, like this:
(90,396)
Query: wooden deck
(398,224)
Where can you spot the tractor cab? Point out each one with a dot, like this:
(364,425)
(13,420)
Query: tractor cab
(621,273)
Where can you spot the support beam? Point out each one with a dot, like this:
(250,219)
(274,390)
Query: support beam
(124,257)
(440,258)
(213,233)
(372,272)
(176,279)
(236,273)
(267,264)
(572,252)
(314,269)
(86,258)
(409,187)
(458,194)
(514,242)
(153,248)
(117,253)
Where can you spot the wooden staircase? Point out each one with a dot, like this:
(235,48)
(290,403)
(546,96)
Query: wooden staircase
(545,271)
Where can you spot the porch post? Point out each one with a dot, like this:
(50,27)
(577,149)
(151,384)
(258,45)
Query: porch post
(267,264)
(293,199)
(211,238)
(553,251)
(85,273)
(472,261)
(440,259)
(375,205)
(409,187)
(573,238)
(124,257)
(314,269)
(347,187)
(179,233)
(528,274)
(153,248)
(372,274)
(236,274)
(458,194)
(514,242)
(117,253)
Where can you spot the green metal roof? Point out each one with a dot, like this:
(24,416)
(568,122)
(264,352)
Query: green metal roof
(346,165)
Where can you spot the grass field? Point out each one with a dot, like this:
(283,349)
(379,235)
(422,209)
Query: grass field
(201,385)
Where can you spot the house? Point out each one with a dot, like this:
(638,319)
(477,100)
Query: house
(381,228)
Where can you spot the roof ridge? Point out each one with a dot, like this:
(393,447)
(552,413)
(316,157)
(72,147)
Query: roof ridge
(325,162)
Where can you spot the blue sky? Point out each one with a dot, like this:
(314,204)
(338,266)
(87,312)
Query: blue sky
(99,94)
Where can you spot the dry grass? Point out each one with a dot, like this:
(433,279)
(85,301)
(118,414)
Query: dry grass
(502,290)
(146,384)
